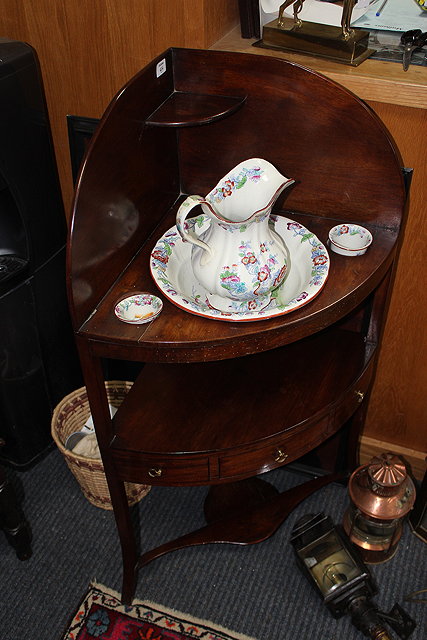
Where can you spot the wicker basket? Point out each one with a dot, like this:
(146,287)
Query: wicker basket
(69,416)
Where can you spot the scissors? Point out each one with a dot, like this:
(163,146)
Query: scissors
(412,40)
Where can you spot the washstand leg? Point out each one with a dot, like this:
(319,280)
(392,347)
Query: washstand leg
(130,574)
(98,400)
(355,427)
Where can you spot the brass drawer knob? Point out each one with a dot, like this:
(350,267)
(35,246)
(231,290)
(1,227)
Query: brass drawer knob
(280,456)
(155,472)
(359,395)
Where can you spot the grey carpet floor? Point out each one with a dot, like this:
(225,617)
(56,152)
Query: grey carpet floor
(257,590)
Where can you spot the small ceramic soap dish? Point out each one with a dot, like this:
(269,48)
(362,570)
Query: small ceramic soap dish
(349,239)
(139,308)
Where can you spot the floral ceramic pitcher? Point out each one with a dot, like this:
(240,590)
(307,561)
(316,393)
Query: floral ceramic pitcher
(239,259)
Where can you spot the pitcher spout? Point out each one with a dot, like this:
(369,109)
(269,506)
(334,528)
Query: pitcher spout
(248,190)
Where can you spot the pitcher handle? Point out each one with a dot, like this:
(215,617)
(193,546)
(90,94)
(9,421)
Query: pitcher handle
(188,235)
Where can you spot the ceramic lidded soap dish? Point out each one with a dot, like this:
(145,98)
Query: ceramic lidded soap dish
(349,239)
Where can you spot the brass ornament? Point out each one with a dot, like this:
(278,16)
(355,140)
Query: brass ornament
(340,44)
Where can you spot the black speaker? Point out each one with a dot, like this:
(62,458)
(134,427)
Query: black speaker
(38,360)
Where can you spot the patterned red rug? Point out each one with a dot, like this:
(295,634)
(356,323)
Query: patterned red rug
(101,616)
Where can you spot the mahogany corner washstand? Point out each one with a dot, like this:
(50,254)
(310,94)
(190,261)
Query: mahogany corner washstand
(218,403)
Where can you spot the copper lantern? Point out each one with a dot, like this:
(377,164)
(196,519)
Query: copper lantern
(381,495)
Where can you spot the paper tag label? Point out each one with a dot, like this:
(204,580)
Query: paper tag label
(160,68)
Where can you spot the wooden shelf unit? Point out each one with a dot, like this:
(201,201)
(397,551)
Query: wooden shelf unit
(217,402)
(192,109)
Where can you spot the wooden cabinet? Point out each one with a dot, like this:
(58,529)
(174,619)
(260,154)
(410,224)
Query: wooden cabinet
(219,402)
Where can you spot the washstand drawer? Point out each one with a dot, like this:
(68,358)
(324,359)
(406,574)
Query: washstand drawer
(172,470)
(275,454)
(353,398)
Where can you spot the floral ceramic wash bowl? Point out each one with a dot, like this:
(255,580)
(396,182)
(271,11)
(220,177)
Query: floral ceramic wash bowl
(239,256)
(349,239)
(171,268)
